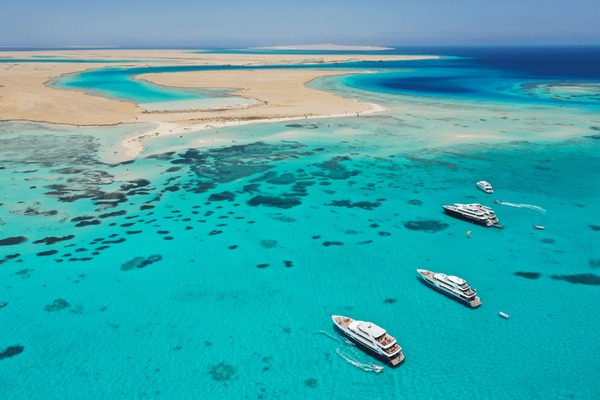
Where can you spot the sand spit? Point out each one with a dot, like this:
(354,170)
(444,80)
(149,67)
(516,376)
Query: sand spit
(278,94)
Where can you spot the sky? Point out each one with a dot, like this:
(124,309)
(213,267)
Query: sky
(239,23)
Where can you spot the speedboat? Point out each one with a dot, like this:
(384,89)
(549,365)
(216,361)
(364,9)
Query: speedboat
(504,315)
(475,212)
(370,337)
(452,286)
(486,187)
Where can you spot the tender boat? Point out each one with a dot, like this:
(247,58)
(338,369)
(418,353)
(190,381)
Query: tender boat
(540,227)
(504,315)
(452,286)
(486,187)
(372,338)
(475,212)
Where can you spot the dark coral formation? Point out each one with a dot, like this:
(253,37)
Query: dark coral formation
(311,383)
(332,243)
(278,202)
(9,257)
(56,305)
(335,169)
(528,275)
(46,253)
(12,240)
(268,243)
(223,196)
(365,205)
(221,372)
(11,351)
(429,225)
(52,239)
(583,279)
(140,262)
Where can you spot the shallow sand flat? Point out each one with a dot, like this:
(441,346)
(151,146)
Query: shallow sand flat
(281,94)
(26,97)
(201,58)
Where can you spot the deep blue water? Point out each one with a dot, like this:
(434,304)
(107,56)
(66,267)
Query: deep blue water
(486,73)
(491,73)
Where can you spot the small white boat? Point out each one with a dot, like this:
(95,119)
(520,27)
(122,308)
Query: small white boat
(540,227)
(485,186)
(504,315)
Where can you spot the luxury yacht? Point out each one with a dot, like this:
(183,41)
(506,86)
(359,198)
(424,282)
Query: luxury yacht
(486,187)
(451,286)
(371,338)
(476,213)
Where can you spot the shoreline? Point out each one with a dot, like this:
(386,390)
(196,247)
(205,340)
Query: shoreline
(132,147)
(276,95)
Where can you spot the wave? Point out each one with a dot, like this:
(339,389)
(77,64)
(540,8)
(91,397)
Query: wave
(529,206)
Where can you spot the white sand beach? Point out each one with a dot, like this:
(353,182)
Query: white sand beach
(275,94)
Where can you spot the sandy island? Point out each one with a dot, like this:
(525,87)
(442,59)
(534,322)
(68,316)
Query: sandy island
(278,94)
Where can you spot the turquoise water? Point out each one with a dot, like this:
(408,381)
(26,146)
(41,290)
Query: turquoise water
(212,272)
(121,83)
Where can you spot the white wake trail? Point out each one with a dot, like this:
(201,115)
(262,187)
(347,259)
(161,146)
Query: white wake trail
(352,360)
(351,356)
(529,206)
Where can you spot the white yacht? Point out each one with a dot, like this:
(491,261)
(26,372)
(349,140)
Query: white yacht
(452,286)
(485,186)
(370,337)
(475,212)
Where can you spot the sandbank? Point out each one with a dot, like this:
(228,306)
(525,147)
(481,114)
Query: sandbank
(277,94)
(326,47)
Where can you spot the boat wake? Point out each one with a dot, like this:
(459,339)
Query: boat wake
(352,359)
(330,336)
(351,356)
(529,206)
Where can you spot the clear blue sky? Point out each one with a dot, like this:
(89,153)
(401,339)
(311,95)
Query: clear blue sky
(222,23)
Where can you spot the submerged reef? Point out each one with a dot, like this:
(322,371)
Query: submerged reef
(583,279)
(140,262)
(13,240)
(221,372)
(365,205)
(528,275)
(11,351)
(311,383)
(428,225)
(56,305)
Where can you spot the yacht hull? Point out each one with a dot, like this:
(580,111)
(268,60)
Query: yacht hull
(391,361)
(464,217)
(472,303)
